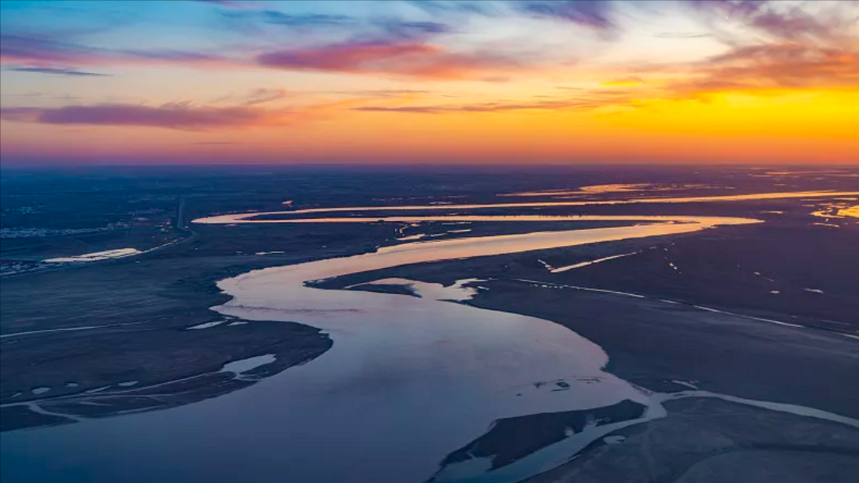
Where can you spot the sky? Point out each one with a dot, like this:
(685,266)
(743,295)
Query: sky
(405,82)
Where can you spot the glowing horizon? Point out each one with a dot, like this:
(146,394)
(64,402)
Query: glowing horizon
(233,82)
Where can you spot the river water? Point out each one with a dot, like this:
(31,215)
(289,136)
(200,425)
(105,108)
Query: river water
(407,381)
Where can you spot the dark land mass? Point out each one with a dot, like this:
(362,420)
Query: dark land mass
(706,440)
(109,208)
(143,306)
(514,438)
(776,270)
(386,288)
(651,342)
(171,368)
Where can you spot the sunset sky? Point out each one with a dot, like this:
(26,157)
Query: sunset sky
(196,82)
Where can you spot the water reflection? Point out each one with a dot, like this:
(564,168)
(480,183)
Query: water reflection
(399,367)
(251,217)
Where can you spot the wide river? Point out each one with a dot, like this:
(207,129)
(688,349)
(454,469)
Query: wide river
(407,381)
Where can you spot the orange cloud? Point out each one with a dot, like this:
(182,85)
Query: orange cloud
(783,65)
(583,100)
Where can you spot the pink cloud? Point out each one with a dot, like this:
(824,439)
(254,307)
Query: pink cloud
(784,65)
(183,116)
(399,58)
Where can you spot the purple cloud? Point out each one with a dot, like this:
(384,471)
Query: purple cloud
(408,58)
(595,14)
(45,52)
(404,30)
(779,23)
(275,17)
(57,71)
(742,8)
(42,50)
(183,116)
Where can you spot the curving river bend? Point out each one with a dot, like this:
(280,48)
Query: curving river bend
(417,378)
(408,380)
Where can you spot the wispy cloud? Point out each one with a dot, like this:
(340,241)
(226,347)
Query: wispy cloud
(42,50)
(237,4)
(441,7)
(782,21)
(275,17)
(182,115)
(47,52)
(772,45)
(386,93)
(405,58)
(783,65)
(400,52)
(395,29)
(595,14)
(57,71)
(585,100)
(263,95)
(365,29)
(681,35)
(624,81)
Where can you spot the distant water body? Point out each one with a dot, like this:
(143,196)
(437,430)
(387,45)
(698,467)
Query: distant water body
(253,217)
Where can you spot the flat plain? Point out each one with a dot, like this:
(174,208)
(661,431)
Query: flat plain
(745,332)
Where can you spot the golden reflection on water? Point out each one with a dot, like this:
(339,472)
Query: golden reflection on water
(248,217)
(853,211)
